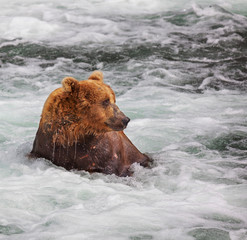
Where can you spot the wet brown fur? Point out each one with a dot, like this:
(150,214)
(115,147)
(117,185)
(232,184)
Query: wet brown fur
(81,128)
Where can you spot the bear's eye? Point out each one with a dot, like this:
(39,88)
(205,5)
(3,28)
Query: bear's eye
(106,102)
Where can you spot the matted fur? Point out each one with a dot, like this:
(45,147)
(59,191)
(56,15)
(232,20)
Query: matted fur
(81,128)
(76,109)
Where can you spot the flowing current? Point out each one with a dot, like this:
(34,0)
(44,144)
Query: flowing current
(179,69)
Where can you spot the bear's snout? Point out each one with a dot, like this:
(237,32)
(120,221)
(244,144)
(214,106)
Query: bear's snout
(119,121)
(125,121)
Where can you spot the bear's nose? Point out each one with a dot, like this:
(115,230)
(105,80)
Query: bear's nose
(125,121)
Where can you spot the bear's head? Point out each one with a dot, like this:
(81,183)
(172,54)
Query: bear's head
(81,108)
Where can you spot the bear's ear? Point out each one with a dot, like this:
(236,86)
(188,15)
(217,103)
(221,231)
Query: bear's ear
(96,75)
(70,84)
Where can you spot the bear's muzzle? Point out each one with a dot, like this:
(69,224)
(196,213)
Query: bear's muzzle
(119,121)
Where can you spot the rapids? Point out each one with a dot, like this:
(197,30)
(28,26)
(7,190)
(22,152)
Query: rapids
(179,71)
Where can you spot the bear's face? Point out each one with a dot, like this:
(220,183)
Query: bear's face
(85,107)
(97,103)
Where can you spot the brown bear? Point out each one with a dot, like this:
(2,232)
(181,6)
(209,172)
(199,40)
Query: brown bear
(81,128)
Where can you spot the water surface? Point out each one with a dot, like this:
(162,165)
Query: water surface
(179,71)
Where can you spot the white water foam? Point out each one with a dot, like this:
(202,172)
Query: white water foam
(196,188)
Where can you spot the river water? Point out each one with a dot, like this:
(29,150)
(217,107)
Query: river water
(179,69)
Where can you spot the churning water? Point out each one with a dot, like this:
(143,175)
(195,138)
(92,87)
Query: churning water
(179,70)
